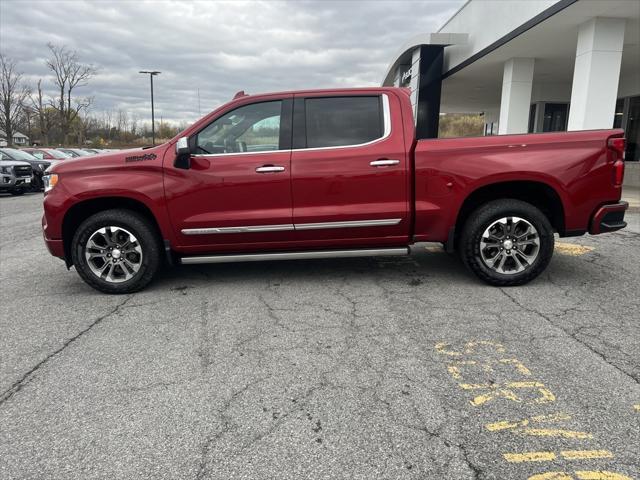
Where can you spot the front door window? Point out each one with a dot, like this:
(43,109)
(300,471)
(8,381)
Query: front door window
(252,128)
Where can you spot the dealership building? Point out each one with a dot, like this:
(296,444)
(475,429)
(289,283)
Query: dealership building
(529,66)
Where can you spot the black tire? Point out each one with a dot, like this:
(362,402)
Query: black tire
(133,222)
(17,192)
(481,219)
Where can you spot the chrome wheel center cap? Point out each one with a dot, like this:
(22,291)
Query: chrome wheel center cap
(508,244)
(115,253)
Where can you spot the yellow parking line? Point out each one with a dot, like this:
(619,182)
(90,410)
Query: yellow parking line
(580,475)
(529,457)
(555,432)
(585,454)
(572,249)
(637,407)
(600,475)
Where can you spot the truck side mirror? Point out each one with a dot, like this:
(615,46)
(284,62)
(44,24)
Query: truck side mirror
(183,154)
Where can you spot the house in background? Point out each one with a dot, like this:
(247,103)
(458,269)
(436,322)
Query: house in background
(19,139)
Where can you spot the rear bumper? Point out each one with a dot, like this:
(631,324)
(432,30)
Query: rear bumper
(608,218)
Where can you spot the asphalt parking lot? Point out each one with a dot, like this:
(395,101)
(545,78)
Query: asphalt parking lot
(366,368)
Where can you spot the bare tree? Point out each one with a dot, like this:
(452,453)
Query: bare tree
(12,96)
(43,114)
(69,73)
(122,121)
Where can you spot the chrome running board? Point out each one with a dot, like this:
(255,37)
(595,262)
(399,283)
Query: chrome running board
(262,257)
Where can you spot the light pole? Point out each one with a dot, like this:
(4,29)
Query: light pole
(153,120)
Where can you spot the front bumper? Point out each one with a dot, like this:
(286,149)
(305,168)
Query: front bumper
(608,218)
(9,182)
(55,247)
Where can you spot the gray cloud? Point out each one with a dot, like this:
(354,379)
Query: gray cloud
(216,47)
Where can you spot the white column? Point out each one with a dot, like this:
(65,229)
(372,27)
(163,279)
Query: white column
(517,82)
(596,73)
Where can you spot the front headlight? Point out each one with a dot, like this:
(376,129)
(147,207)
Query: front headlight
(6,170)
(49,181)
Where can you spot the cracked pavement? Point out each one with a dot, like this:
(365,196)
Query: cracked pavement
(318,369)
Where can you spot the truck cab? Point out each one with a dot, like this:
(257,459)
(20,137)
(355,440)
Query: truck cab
(329,173)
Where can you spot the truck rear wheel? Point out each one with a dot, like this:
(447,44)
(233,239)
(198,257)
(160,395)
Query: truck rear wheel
(507,242)
(116,251)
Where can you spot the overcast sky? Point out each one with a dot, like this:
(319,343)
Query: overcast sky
(216,47)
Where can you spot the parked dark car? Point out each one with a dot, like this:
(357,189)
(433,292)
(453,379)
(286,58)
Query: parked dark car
(15,177)
(37,165)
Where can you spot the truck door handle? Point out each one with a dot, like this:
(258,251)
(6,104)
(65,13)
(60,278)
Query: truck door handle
(383,162)
(270,169)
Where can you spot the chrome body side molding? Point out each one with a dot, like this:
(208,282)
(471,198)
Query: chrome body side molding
(247,229)
(352,224)
(261,257)
(287,227)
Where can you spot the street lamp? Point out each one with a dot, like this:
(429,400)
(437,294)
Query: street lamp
(153,121)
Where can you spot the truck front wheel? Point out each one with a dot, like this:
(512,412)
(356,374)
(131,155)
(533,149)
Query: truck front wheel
(116,251)
(507,242)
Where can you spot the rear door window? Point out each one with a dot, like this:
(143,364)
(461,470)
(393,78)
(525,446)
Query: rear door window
(343,121)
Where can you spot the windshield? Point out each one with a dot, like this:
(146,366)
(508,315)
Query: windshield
(18,154)
(57,154)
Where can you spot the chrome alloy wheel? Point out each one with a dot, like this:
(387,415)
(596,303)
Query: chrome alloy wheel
(509,245)
(113,254)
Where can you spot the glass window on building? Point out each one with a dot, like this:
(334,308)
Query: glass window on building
(632,132)
(617,119)
(555,117)
(532,118)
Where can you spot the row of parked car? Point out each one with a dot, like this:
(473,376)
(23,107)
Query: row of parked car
(22,170)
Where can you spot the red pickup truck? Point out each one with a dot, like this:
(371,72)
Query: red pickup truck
(330,173)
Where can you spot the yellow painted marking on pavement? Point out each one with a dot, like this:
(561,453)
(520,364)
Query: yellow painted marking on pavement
(476,386)
(580,475)
(469,348)
(455,370)
(552,476)
(503,425)
(572,249)
(522,428)
(637,407)
(442,349)
(554,432)
(600,475)
(434,249)
(546,396)
(529,457)
(585,454)
(554,417)
(517,364)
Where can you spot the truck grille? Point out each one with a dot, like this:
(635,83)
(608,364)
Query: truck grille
(22,171)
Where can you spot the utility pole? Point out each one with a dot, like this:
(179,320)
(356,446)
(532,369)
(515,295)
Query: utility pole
(153,120)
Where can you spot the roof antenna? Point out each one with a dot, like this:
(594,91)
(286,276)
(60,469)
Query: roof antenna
(240,94)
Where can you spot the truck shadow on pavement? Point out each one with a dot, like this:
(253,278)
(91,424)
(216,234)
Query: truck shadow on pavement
(421,267)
